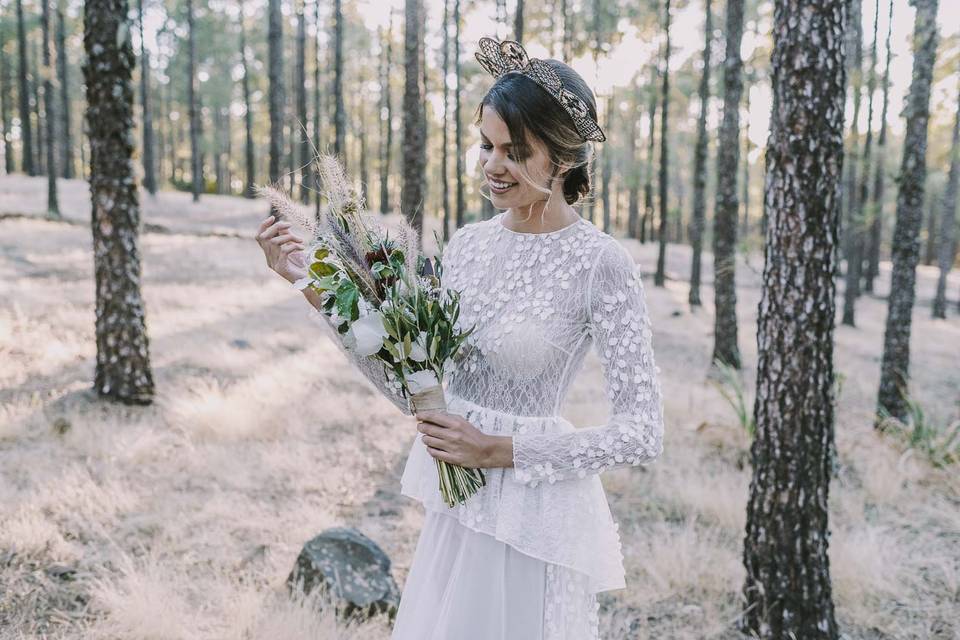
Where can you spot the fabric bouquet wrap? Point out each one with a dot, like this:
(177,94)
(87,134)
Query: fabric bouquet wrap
(385,298)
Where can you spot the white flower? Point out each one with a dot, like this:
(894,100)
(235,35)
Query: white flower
(421,380)
(367,334)
(418,349)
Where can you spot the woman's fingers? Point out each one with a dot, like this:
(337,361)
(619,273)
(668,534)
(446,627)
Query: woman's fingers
(436,443)
(281,239)
(273,230)
(264,224)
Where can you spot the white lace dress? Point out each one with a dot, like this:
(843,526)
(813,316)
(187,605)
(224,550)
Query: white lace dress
(526,555)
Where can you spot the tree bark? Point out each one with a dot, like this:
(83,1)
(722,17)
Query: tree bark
(444,160)
(931,240)
(607,168)
(414,153)
(302,120)
(8,163)
(50,115)
(946,252)
(63,77)
(651,145)
(659,278)
(26,135)
(854,40)
(457,131)
(518,22)
(149,175)
(856,231)
(700,163)
(123,359)
(875,213)
(386,125)
(196,164)
(250,175)
(895,365)
(275,72)
(787,588)
(725,347)
(340,116)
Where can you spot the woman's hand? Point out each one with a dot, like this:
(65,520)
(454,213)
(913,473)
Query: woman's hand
(450,438)
(282,248)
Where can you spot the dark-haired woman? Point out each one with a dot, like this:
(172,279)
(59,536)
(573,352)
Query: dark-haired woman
(524,558)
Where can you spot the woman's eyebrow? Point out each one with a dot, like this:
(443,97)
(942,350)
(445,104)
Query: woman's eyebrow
(484,136)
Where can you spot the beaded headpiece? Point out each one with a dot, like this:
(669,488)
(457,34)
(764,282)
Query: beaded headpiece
(500,58)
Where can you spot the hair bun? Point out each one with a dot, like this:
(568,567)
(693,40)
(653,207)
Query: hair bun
(576,184)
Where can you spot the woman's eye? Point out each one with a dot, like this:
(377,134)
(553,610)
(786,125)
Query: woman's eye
(486,146)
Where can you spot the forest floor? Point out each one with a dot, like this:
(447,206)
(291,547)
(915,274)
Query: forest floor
(182,520)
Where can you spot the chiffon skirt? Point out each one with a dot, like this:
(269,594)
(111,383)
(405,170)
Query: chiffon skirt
(467,585)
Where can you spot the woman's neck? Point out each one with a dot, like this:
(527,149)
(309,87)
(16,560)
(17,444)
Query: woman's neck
(538,218)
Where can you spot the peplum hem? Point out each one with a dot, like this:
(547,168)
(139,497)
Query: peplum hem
(567,522)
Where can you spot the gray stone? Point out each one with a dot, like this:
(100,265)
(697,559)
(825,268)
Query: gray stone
(352,568)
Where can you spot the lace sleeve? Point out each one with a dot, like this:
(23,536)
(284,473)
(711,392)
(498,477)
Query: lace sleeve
(374,370)
(620,328)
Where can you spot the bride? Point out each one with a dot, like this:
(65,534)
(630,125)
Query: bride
(524,558)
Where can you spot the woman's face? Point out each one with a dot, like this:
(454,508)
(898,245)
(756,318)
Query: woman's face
(505,173)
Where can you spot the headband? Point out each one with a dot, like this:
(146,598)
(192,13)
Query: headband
(500,58)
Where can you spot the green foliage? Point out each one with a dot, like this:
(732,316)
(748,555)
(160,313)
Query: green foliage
(731,388)
(939,443)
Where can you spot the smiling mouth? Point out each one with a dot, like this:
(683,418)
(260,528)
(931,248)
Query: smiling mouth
(496,186)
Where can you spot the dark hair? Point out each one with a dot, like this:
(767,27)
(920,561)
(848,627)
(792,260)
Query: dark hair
(526,107)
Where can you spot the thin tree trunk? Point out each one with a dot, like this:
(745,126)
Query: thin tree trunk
(149,175)
(361,116)
(856,231)
(123,359)
(607,168)
(26,135)
(659,278)
(318,115)
(5,120)
(518,22)
(725,347)
(651,145)
(700,163)
(947,250)
(302,120)
(50,115)
(458,133)
(854,38)
(386,122)
(875,214)
(444,178)
(196,163)
(414,153)
(250,158)
(931,240)
(66,140)
(340,116)
(633,195)
(787,588)
(275,72)
(895,365)
(39,157)
(567,48)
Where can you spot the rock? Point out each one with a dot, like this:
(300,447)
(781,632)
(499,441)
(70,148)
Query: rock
(352,568)
(61,425)
(240,343)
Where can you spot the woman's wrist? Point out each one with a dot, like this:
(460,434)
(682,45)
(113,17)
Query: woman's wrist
(500,452)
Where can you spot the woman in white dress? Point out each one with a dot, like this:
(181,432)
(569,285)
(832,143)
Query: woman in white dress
(524,558)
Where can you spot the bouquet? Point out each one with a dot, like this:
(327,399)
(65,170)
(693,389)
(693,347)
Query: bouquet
(385,298)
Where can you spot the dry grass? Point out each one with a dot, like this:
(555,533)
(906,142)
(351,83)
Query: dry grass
(182,520)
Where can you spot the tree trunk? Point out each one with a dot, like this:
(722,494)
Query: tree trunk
(651,145)
(787,588)
(318,114)
(607,168)
(856,231)
(659,277)
(149,175)
(518,22)
(386,125)
(26,136)
(39,155)
(50,115)
(895,365)
(633,191)
(302,120)
(340,116)
(123,359)
(875,213)
(931,240)
(5,106)
(700,163)
(275,72)
(947,250)
(250,175)
(854,40)
(196,165)
(444,160)
(414,153)
(725,347)
(457,131)
(66,144)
